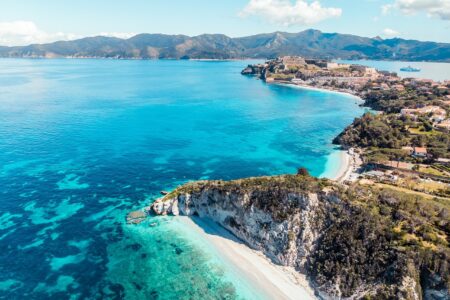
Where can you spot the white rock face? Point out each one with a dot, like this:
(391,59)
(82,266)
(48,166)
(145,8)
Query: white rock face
(286,241)
(285,226)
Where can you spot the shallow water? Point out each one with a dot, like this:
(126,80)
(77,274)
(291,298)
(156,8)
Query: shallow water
(82,142)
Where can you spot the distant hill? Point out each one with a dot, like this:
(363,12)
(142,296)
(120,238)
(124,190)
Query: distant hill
(308,43)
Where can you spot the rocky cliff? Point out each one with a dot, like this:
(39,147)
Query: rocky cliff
(353,242)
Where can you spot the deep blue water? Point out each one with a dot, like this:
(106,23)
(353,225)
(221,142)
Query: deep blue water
(82,142)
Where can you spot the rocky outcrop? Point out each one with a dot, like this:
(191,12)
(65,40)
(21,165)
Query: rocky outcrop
(136,217)
(321,229)
(254,70)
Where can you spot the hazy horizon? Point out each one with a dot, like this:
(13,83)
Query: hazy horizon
(217,33)
(30,22)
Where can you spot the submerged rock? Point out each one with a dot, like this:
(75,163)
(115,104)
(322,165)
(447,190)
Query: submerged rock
(136,217)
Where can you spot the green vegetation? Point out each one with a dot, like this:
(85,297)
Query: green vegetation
(281,76)
(383,136)
(384,131)
(369,235)
(414,95)
(379,232)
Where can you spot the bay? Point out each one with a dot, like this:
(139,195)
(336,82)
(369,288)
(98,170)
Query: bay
(83,142)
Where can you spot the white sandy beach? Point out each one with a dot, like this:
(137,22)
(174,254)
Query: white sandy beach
(317,89)
(275,282)
(350,161)
(345,166)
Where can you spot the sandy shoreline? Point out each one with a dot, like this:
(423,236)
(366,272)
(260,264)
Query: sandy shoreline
(349,163)
(305,87)
(273,281)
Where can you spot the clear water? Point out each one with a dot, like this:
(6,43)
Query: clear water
(429,70)
(82,142)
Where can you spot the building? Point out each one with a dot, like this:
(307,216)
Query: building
(292,61)
(438,114)
(371,72)
(420,152)
(332,65)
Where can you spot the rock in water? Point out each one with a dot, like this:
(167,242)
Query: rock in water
(136,217)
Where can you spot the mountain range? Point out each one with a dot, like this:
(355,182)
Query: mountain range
(309,43)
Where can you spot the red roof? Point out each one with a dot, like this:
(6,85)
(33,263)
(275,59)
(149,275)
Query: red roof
(420,150)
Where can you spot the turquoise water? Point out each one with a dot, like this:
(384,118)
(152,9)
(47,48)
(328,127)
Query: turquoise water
(82,142)
(429,70)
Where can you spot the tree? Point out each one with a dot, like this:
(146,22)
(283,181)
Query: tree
(303,172)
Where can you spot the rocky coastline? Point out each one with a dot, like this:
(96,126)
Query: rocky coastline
(352,241)
(322,229)
(266,73)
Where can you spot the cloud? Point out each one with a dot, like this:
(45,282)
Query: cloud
(120,35)
(433,8)
(288,13)
(390,32)
(18,33)
(26,32)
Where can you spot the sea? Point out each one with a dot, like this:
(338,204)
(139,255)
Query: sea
(84,141)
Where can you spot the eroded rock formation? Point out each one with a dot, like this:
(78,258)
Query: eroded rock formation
(346,239)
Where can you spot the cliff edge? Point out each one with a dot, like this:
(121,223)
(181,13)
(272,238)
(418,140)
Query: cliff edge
(357,242)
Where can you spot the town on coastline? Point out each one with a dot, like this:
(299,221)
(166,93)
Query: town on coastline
(381,231)
(404,142)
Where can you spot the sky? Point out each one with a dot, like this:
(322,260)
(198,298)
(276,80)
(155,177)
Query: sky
(24,22)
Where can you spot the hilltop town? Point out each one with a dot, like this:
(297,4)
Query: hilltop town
(403,143)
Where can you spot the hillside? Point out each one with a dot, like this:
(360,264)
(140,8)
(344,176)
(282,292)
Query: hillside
(356,242)
(308,43)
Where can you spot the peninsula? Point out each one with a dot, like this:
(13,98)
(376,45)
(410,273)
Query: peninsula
(408,131)
(380,233)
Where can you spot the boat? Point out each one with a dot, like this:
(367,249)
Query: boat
(409,69)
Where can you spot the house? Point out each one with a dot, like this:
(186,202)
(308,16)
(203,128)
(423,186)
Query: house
(438,113)
(420,152)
